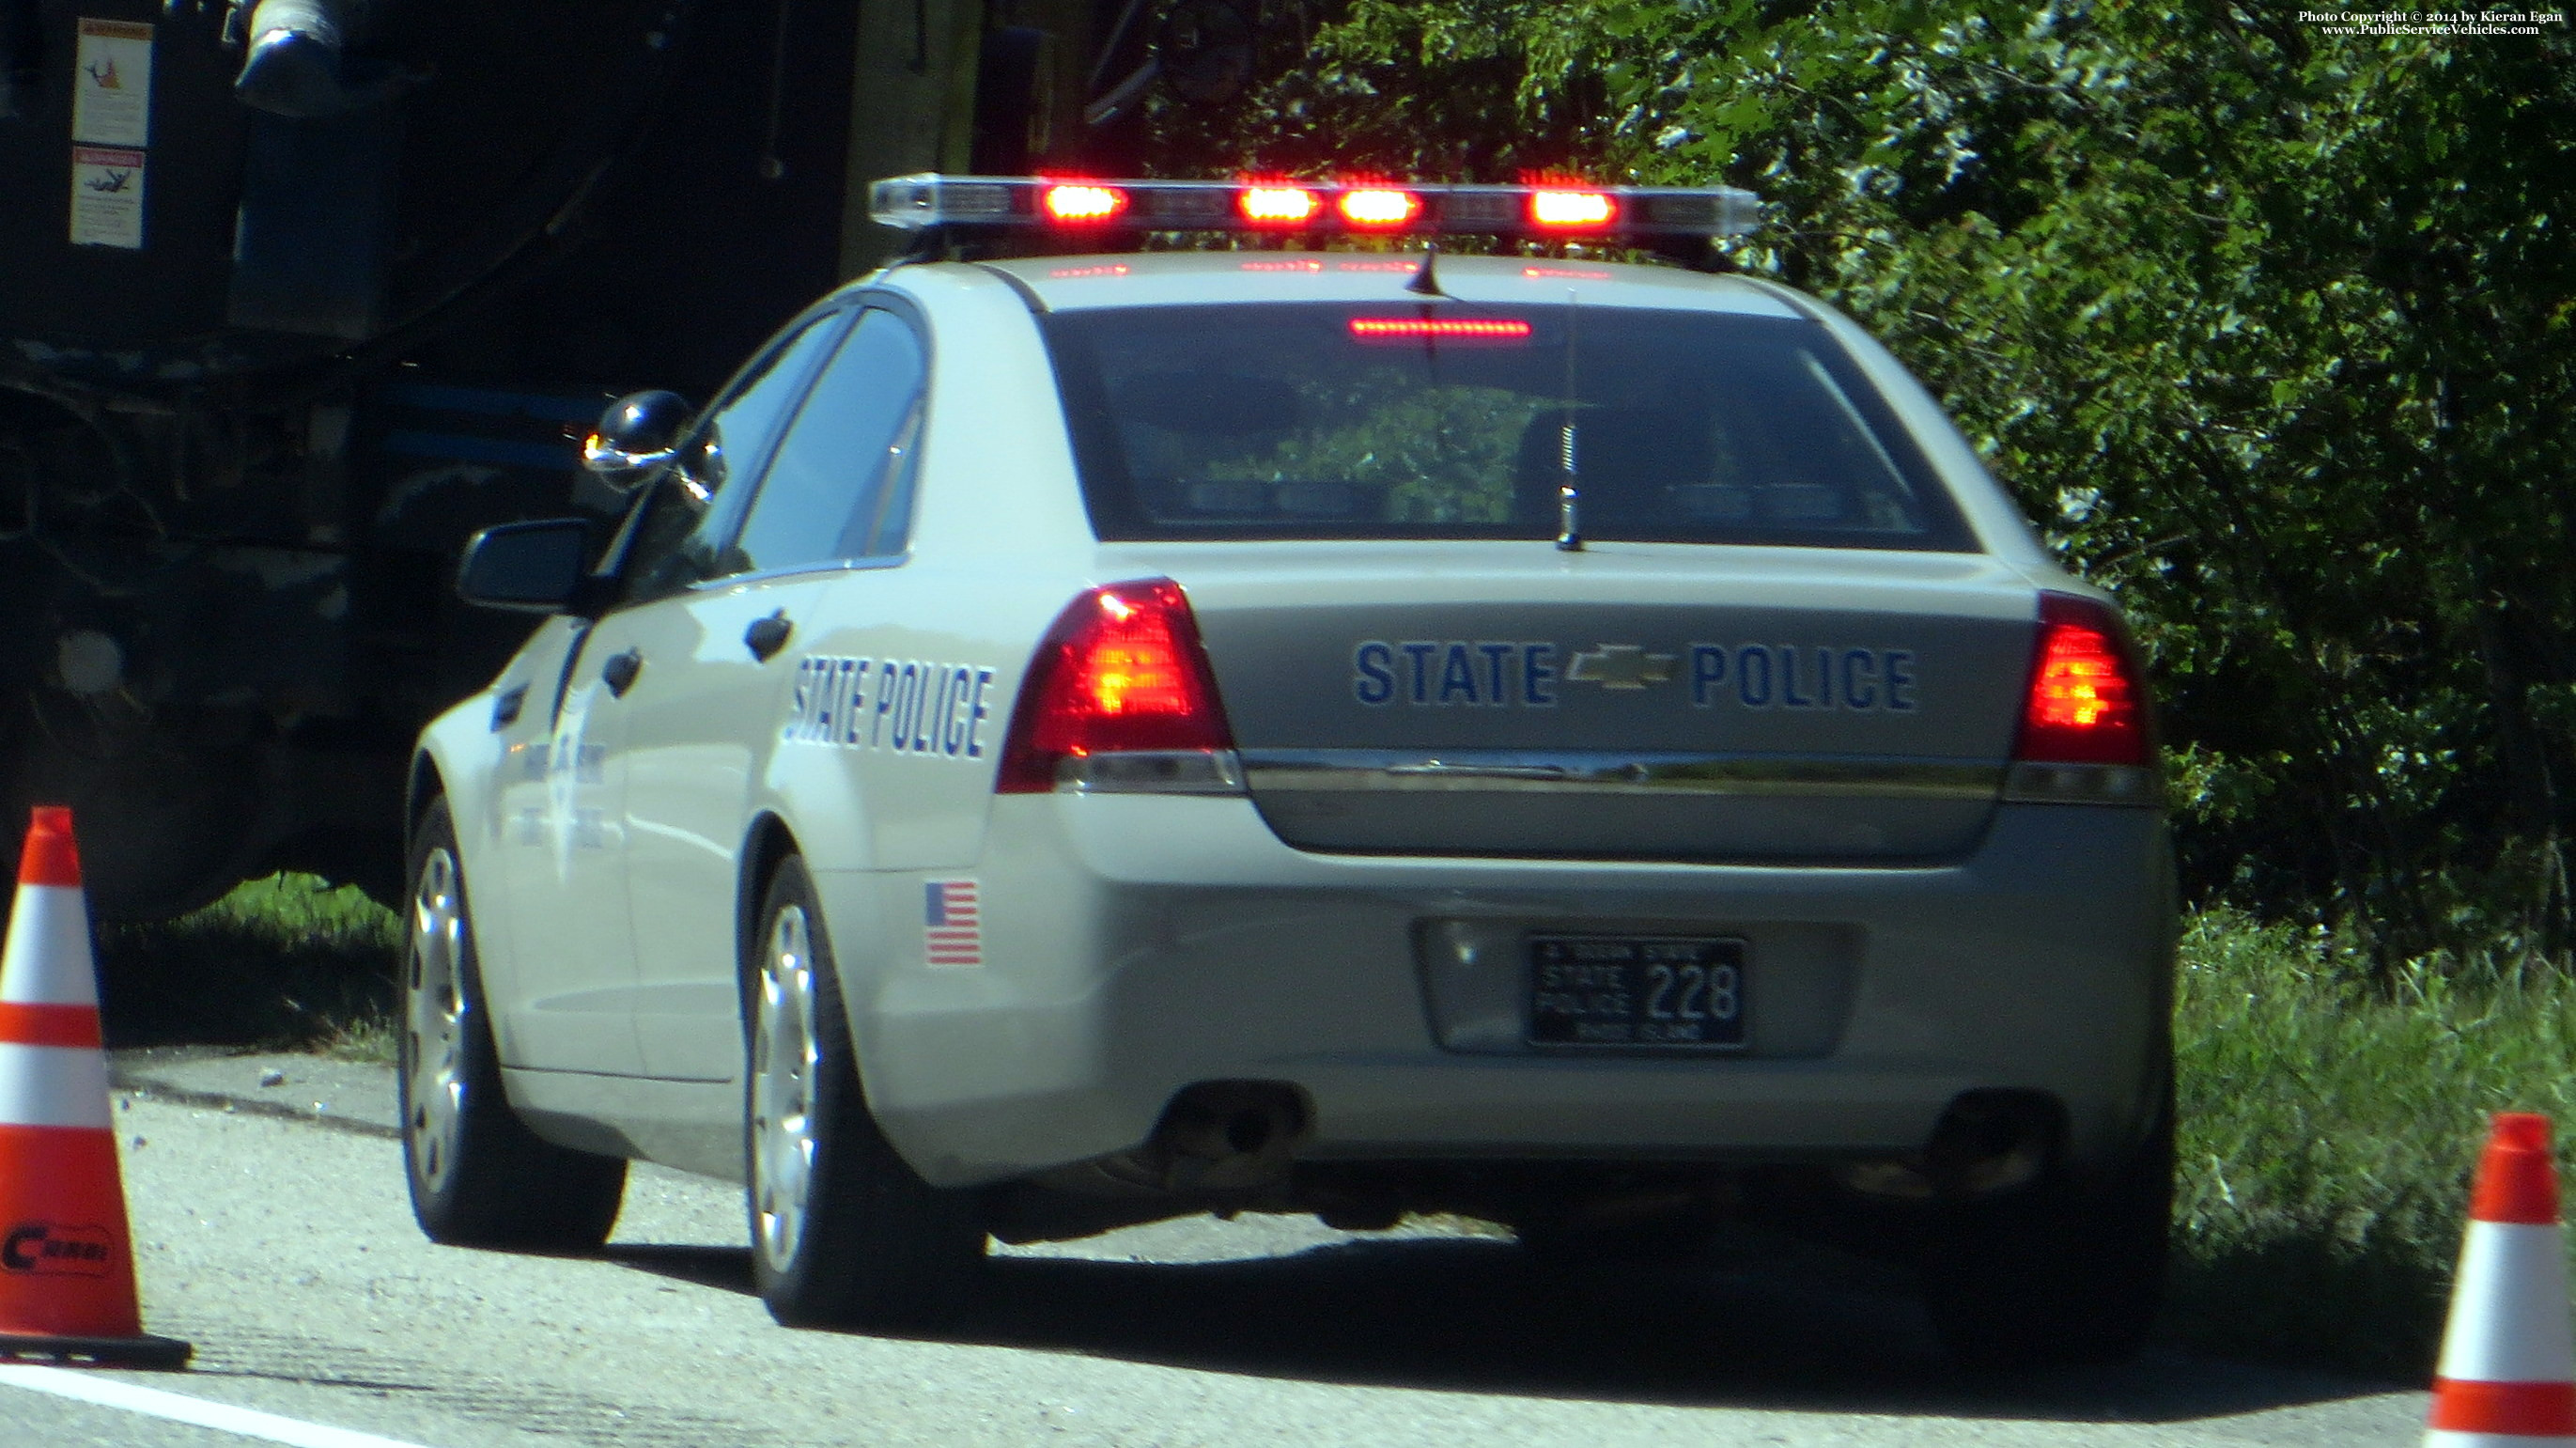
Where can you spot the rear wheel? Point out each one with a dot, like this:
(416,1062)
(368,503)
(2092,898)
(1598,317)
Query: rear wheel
(843,1231)
(2070,1272)
(479,1177)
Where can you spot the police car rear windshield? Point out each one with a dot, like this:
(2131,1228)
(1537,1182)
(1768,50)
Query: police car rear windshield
(1446,420)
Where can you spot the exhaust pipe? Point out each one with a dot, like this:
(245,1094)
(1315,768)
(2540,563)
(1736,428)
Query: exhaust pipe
(1986,1142)
(1226,1137)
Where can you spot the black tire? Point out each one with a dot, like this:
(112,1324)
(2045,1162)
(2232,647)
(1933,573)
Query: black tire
(872,1244)
(479,1177)
(2070,1273)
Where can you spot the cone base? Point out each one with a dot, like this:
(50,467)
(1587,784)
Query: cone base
(145,1351)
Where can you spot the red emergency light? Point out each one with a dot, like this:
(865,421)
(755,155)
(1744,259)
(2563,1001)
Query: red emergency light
(1379,207)
(1279,205)
(1077,202)
(1572,210)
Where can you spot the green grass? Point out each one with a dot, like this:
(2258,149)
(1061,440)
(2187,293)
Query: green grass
(279,964)
(2328,1136)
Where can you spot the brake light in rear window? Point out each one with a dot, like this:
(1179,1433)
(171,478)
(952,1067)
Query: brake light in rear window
(1504,330)
(1121,670)
(2087,702)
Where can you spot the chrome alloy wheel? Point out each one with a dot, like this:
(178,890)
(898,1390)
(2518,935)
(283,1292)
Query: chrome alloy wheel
(786,1060)
(434,1018)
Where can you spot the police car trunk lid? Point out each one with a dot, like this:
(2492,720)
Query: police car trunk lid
(1631,701)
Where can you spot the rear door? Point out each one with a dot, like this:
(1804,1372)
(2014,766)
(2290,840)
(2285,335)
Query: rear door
(834,498)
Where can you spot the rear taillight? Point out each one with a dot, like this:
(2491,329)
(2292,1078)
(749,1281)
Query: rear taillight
(2088,699)
(1121,671)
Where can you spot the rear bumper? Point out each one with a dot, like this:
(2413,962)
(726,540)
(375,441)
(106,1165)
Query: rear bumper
(1134,946)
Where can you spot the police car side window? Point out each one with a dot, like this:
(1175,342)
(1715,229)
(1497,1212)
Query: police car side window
(840,486)
(693,505)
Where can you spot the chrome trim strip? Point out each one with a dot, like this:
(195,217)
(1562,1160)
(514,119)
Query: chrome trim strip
(1152,771)
(1220,772)
(1518,771)
(2125,784)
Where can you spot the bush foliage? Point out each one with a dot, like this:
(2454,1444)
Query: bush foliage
(284,963)
(2270,329)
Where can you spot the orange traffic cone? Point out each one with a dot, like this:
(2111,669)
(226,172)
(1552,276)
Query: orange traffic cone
(66,1256)
(2508,1373)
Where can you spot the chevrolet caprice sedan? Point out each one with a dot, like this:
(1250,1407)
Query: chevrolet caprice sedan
(1098,735)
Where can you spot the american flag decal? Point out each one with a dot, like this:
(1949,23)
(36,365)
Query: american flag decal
(952,928)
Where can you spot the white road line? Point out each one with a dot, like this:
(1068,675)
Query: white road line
(178,1408)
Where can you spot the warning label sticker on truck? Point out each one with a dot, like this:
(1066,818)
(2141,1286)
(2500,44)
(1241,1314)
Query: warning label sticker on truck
(107,197)
(112,84)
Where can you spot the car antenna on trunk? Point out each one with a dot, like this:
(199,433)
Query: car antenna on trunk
(1425,281)
(1569,495)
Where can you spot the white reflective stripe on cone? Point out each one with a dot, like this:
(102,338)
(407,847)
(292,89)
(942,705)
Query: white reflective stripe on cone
(53,1086)
(48,956)
(2445,1438)
(2509,1308)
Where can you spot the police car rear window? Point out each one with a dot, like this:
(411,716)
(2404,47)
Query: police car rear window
(1449,420)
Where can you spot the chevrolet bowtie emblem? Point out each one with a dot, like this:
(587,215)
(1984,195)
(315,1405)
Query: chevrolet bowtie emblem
(1620,666)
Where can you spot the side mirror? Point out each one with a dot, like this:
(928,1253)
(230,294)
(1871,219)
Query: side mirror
(525,567)
(639,432)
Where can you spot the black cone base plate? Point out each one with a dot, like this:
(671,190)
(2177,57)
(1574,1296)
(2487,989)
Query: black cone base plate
(117,1352)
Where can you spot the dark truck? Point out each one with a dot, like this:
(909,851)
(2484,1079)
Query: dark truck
(295,295)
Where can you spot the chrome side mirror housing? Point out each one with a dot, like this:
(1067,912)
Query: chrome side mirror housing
(639,432)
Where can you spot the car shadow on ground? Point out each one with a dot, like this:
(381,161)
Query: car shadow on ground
(1760,1325)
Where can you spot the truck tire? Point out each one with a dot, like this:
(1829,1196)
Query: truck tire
(2068,1273)
(844,1233)
(479,1177)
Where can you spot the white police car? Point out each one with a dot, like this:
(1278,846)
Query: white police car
(1065,741)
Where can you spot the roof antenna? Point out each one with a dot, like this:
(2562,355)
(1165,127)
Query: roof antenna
(1425,282)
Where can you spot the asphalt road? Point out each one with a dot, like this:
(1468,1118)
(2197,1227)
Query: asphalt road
(274,1234)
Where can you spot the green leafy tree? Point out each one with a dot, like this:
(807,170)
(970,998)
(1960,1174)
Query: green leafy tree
(2269,327)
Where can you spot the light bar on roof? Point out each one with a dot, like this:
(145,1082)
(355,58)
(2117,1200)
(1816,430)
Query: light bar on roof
(1039,204)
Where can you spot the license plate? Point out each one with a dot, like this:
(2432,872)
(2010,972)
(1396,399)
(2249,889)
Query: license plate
(1660,991)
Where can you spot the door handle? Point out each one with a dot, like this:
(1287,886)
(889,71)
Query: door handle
(620,671)
(767,636)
